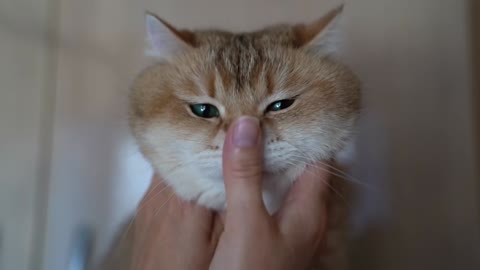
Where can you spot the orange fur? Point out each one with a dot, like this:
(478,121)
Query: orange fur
(241,74)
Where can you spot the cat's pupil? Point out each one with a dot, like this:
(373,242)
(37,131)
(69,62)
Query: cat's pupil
(205,110)
(280,105)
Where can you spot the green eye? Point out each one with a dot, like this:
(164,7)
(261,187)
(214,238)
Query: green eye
(205,110)
(279,105)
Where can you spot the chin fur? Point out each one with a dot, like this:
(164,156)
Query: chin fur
(211,193)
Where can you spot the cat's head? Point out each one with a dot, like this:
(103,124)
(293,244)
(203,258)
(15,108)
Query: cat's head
(181,108)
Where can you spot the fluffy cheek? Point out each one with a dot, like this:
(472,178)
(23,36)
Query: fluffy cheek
(177,160)
(317,139)
(169,149)
(185,149)
(209,163)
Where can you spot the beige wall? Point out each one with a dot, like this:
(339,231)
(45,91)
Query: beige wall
(415,57)
(26,98)
(416,139)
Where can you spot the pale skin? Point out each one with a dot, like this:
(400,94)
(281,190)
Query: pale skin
(180,235)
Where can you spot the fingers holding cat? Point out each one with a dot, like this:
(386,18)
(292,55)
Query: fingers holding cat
(252,239)
(303,217)
(170,233)
(174,234)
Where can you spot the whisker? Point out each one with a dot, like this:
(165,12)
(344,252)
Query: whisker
(154,215)
(331,187)
(340,173)
(341,176)
(165,203)
(144,204)
(349,177)
(140,209)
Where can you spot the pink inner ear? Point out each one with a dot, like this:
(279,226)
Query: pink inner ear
(164,40)
(313,32)
(153,28)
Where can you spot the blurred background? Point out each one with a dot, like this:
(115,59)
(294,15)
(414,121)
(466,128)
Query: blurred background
(68,164)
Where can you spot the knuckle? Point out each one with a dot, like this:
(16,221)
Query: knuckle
(246,167)
(246,170)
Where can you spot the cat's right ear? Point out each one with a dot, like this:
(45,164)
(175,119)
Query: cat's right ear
(321,36)
(163,40)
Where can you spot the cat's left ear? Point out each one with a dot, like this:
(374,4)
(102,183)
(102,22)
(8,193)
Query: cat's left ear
(163,40)
(320,36)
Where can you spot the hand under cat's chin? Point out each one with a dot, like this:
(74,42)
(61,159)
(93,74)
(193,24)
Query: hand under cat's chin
(209,190)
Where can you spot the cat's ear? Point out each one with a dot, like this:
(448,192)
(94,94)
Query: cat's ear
(163,40)
(321,36)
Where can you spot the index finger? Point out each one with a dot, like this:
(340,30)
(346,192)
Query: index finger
(304,214)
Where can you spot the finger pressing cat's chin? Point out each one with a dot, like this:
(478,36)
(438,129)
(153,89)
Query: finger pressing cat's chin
(156,178)
(157,186)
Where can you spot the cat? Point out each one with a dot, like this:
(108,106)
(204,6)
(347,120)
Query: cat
(285,75)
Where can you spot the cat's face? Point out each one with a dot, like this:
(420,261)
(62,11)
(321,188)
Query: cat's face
(181,108)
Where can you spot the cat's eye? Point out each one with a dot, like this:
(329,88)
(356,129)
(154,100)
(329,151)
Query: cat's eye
(205,110)
(280,105)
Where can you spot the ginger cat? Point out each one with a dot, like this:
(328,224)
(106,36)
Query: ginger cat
(285,75)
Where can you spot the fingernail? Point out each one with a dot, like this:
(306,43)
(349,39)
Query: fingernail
(246,132)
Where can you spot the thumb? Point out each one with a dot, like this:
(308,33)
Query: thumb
(242,167)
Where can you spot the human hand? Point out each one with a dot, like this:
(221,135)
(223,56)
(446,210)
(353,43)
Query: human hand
(171,234)
(252,239)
